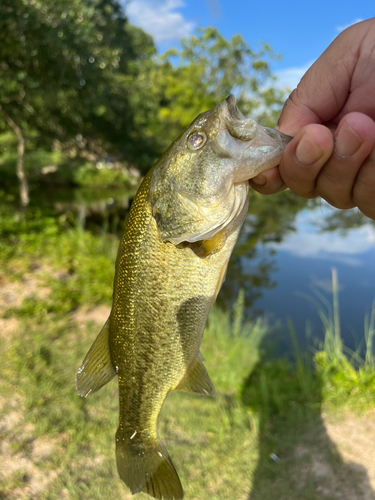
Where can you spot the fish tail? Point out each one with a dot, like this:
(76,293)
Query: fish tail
(143,463)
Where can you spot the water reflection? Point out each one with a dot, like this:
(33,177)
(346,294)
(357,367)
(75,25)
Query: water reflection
(303,261)
(104,208)
(253,264)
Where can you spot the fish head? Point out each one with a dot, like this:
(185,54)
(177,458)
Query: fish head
(200,183)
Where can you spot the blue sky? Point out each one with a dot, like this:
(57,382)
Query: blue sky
(299,31)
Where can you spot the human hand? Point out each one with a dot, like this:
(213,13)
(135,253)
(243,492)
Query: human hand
(331,114)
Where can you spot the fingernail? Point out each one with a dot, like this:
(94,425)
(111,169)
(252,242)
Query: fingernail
(259,180)
(308,151)
(347,142)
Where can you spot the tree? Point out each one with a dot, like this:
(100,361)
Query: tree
(66,71)
(202,73)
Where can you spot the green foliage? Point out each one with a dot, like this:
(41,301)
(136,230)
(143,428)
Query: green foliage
(348,377)
(343,383)
(41,361)
(91,175)
(76,73)
(334,377)
(278,391)
(83,262)
(66,71)
(202,73)
(273,392)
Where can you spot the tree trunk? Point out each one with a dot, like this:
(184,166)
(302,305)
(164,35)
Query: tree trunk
(20,167)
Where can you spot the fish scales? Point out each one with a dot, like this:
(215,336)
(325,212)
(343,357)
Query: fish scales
(180,233)
(163,343)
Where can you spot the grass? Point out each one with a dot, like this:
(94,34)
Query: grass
(249,442)
(40,365)
(347,377)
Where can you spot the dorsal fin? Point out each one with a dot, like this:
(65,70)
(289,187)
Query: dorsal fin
(96,369)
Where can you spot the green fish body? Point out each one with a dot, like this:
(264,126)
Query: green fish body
(181,230)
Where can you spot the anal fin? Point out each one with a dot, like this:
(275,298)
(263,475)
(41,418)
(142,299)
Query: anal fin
(197,379)
(96,369)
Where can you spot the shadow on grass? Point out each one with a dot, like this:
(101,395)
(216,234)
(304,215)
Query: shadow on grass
(297,458)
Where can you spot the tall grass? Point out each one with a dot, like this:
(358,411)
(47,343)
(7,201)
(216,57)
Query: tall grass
(333,377)
(369,335)
(347,377)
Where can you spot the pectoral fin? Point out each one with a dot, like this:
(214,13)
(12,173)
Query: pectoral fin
(197,379)
(96,369)
(203,248)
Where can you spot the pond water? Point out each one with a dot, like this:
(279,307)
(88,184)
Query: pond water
(303,263)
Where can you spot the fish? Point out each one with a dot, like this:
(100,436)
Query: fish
(172,259)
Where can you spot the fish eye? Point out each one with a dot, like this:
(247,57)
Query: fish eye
(196,139)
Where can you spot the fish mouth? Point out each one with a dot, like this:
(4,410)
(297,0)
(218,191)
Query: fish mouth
(278,136)
(246,129)
(238,126)
(268,139)
(231,104)
(262,147)
(263,152)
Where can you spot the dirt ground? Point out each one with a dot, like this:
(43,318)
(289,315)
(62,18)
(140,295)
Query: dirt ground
(354,438)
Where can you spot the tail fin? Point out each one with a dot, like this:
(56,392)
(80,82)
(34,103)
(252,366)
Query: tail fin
(143,464)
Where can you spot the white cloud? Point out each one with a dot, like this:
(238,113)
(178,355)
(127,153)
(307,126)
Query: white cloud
(159,18)
(309,242)
(290,77)
(342,28)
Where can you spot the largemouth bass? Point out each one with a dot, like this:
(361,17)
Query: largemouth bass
(172,259)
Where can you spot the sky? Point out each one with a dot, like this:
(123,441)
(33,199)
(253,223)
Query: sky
(298,31)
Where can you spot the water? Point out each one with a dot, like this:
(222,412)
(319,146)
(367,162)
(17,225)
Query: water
(301,269)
